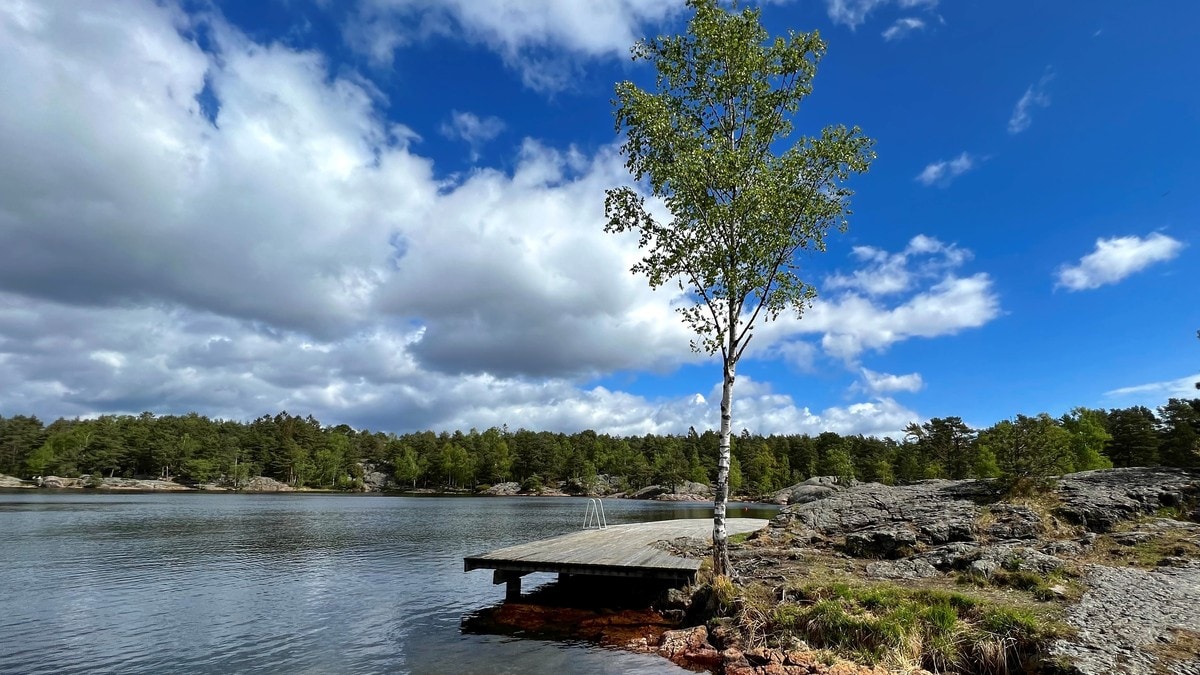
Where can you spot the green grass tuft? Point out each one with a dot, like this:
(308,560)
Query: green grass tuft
(891,625)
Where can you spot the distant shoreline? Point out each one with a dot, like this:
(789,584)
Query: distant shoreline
(264,485)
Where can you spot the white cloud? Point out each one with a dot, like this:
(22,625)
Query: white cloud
(943,172)
(853,13)
(894,297)
(1034,96)
(851,324)
(1116,258)
(798,354)
(541,39)
(886,273)
(473,129)
(1159,392)
(881,383)
(176,361)
(289,249)
(902,28)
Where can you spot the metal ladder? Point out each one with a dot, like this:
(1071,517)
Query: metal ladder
(593,516)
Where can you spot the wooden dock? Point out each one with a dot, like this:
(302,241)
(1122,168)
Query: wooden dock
(618,550)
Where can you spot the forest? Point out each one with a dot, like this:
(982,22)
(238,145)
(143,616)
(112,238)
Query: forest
(304,453)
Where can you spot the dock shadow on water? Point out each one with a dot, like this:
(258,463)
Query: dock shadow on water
(605,611)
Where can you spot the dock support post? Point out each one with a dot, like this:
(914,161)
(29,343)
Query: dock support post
(512,582)
(512,590)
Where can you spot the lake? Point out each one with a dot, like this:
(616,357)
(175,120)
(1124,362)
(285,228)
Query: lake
(280,583)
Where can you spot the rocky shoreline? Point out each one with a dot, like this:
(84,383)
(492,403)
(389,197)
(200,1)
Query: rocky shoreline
(374,483)
(105,484)
(1100,575)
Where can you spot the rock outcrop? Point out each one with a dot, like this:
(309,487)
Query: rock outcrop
(374,480)
(135,484)
(1138,578)
(264,484)
(687,491)
(14,482)
(1142,622)
(817,487)
(503,489)
(880,521)
(1098,500)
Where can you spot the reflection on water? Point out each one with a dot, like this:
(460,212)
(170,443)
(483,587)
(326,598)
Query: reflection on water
(279,583)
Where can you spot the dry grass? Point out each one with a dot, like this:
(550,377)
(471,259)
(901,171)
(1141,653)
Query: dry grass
(1184,646)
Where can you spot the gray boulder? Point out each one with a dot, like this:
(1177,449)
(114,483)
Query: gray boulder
(503,489)
(817,487)
(1014,522)
(884,542)
(58,482)
(907,569)
(377,481)
(649,492)
(13,482)
(264,484)
(934,512)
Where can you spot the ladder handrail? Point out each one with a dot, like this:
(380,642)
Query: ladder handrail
(594,513)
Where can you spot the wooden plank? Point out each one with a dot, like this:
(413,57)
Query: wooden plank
(619,550)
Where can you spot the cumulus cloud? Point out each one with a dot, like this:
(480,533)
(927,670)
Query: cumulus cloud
(1034,97)
(283,246)
(1116,258)
(884,273)
(853,13)
(881,383)
(902,28)
(892,297)
(172,361)
(537,38)
(943,172)
(473,129)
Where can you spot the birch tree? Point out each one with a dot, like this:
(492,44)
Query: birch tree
(709,143)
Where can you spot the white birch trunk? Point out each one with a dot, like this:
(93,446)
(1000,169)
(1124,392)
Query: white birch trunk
(721,565)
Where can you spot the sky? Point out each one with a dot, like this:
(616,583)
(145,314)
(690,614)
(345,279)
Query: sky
(390,213)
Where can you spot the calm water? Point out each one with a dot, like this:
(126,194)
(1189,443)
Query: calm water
(201,583)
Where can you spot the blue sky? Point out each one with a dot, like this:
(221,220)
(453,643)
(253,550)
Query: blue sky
(389,213)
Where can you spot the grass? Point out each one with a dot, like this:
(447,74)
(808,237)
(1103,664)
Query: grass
(739,538)
(1172,542)
(1151,553)
(1061,585)
(896,626)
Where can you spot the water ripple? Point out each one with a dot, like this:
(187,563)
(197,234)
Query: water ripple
(273,584)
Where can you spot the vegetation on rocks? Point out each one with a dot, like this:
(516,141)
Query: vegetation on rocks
(1100,572)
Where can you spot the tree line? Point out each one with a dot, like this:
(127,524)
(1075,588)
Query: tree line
(302,452)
